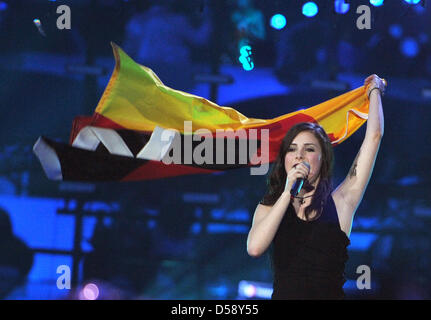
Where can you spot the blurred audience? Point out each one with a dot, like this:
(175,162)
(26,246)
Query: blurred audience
(249,23)
(296,56)
(122,256)
(16,258)
(162,38)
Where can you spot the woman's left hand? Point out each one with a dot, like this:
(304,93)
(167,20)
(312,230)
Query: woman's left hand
(374,81)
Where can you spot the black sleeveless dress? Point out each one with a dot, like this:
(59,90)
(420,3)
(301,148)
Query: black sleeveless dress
(308,257)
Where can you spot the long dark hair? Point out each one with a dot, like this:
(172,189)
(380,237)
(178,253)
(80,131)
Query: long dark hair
(277,177)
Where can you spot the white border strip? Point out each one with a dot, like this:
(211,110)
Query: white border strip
(159,144)
(48,159)
(359,114)
(90,137)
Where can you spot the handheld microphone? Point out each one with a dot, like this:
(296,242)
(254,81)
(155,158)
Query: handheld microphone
(299,182)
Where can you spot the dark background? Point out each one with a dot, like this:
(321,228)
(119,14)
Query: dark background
(185,237)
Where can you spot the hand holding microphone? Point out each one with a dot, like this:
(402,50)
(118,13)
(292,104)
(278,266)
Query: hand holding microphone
(296,177)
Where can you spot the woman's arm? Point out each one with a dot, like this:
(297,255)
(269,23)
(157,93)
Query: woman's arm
(265,225)
(349,193)
(267,219)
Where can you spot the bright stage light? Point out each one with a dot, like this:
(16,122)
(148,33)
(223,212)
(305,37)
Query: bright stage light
(89,292)
(246,58)
(252,290)
(396,31)
(409,47)
(278,21)
(310,9)
(412,1)
(3,6)
(376,3)
(341,7)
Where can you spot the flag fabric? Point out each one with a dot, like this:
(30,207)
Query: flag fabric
(142,129)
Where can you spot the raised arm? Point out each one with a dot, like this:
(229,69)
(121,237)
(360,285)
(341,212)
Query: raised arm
(349,193)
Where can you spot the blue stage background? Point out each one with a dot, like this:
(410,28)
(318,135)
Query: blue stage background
(185,237)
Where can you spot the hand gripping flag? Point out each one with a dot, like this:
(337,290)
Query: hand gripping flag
(142,129)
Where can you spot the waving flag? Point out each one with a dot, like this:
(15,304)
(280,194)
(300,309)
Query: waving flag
(142,129)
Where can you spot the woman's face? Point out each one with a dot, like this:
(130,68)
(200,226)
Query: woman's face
(305,147)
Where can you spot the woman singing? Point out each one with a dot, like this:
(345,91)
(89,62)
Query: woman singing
(309,231)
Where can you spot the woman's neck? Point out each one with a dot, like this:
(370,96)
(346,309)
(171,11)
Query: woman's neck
(308,189)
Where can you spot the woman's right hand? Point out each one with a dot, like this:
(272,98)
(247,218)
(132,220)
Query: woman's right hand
(296,172)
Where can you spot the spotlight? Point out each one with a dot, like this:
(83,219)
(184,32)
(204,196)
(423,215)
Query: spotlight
(250,291)
(426,93)
(341,7)
(3,6)
(254,290)
(376,3)
(396,31)
(412,1)
(409,47)
(246,58)
(89,292)
(310,9)
(278,21)
(423,38)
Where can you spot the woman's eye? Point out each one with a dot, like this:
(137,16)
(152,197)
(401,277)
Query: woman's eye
(292,149)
